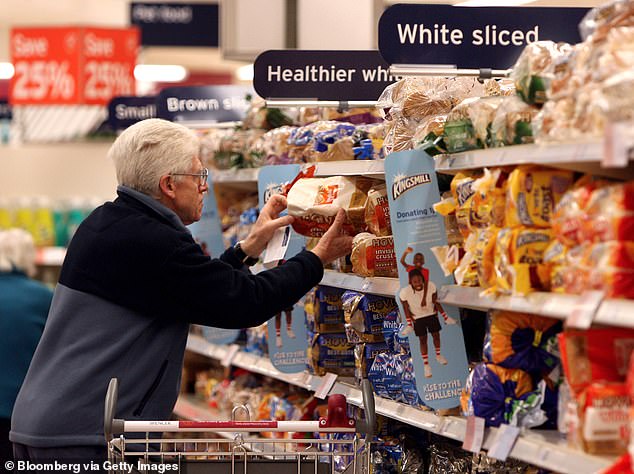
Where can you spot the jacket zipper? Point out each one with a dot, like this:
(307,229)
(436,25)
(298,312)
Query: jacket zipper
(150,392)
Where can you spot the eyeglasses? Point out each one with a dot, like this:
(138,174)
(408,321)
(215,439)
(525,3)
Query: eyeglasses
(202,176)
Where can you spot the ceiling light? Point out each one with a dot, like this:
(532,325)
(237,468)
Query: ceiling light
(6,70)
(492,3)
(159,73)
(245,73)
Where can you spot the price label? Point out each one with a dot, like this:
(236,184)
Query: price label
(618,145)
(41,80)
(504,442)
(585,309)
(227,360)
(327,382)
(474,434)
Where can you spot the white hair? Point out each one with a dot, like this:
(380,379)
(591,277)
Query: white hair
(17,251)
(150,149)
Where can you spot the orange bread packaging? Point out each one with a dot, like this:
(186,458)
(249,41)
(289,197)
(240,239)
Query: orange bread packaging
(314,202)
(610,213)
(377,211)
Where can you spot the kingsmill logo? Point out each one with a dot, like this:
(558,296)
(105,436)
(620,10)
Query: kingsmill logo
(404,183)
(272,189)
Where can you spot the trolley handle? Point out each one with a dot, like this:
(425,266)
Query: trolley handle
(111,426)
(367,425)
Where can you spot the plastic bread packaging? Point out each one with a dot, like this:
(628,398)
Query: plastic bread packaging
(324,310)
(610,213)
(365,314)
(355,115)
(522,341)
(570,213)
(335,143)
(604,418)
(533,193)
(529,72)
(556,257)
(512,123)
(488,204)
(595,355)
(600,20)
(554,121)
(484,253)
(466,274)
(610,268)
(364,354)
(491,392)
(273,146)
(448,257)
(468,124)
(462,193)
(415,98)
(429,135)
(314,202)
(331,353)
(569,72)
(373,256)
(499,87)
(377,211)
(518,260)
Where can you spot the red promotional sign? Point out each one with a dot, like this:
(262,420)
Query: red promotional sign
(72,65)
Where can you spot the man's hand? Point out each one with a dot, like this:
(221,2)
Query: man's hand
(266,225)
(333,244)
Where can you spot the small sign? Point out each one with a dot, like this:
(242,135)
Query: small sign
(474,37)
(327,382)
(203,103)
(618,145)
(585,309)
(5,110)
(126,111)
(504,442)
(474,434)
(321,75)
(227,360)
(176,24)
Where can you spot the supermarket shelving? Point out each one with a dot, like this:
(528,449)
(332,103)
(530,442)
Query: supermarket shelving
(613,312)
(546,449)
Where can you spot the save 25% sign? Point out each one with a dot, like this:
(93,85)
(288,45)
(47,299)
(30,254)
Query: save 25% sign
(40,80)
(106,79)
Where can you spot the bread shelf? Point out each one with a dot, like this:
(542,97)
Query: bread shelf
(581,156)
(545,449)
(613,312)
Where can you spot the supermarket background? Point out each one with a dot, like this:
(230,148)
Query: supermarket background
(535,257)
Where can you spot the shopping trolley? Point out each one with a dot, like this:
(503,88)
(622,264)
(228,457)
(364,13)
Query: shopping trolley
(337,444)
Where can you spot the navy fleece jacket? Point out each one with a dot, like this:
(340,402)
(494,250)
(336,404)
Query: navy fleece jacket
(132,282)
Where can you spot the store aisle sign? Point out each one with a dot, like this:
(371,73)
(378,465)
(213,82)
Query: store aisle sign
(434,332)
(5,110)
(321,75)
(126,111)
(204,103)
(72,65)
(176,24)
(473,37)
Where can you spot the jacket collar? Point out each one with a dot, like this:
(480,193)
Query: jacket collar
(153,204)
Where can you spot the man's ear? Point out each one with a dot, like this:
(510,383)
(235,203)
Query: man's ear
(166,186)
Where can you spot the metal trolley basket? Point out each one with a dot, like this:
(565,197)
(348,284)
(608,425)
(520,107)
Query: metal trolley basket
(157,446)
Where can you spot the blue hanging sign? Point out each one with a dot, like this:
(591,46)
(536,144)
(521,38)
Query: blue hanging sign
(288,344)
(470,37)
(126,111)
(321,75)
(176,24)
(434,332)
(5,110)
(204,103)
(207,232)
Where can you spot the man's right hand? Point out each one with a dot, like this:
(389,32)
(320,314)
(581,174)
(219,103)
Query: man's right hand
(333,244)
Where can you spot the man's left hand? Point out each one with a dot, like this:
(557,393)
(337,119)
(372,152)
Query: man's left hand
(266,225)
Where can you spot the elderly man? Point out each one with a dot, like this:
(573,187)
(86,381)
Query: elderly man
(132,282)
